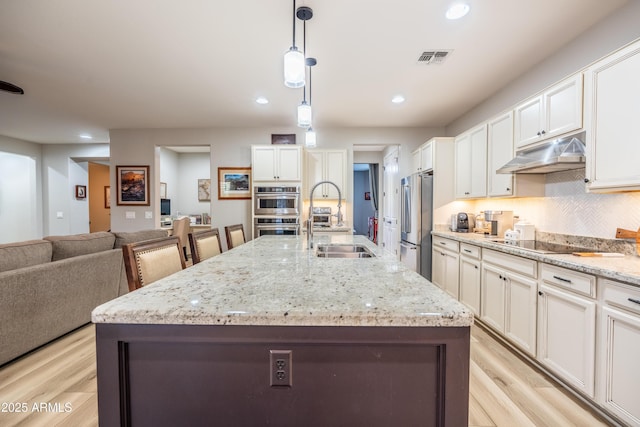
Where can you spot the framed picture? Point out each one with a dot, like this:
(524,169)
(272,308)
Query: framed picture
(107,197)
(132,183)
(163,190)
(81,191)
(289,138)
(234,183)
(204,190)
(367,195)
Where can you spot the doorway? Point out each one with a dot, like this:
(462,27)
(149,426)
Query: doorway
(365,200)
(99,198)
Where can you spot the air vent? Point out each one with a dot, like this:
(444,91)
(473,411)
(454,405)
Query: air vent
(433,57)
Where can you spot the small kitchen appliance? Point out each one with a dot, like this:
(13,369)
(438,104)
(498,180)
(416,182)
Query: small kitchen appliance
(465,222)
(525,230)
(321,216)
(499,222)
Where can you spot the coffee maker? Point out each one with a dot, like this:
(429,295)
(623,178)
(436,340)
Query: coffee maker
(498,222)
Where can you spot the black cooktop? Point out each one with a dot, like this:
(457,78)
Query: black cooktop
(543,247)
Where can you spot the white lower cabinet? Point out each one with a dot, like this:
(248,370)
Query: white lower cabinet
(445,259)
(567,327)
(470,277)
(619,351)
(508,298)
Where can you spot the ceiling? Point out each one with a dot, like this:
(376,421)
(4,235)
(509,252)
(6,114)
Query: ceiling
(88,66)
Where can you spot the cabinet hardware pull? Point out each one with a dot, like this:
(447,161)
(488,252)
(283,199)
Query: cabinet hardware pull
(562,279)
(538,134)
(543,132)
(443,243)
(586,180)
(476,267)
(467,251)
(500,276)
(634,300)
(540,293)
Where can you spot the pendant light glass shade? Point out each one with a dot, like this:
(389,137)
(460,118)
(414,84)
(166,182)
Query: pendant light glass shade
(294,68)
(310,138)
(304,115)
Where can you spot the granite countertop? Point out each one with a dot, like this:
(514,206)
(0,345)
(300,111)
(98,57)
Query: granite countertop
(625,269)
(277,281)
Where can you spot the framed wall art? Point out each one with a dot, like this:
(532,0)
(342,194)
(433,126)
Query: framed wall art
(81,191)
(234,183)
(204,190)
(163,190)
(132,183)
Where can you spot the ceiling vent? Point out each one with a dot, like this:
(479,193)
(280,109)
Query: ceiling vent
(433,57)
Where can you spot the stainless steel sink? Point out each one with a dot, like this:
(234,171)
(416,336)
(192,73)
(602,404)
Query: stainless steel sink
(344,251)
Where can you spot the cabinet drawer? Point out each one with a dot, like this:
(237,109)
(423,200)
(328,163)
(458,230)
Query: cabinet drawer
(524,266)
(470,250)
(450,245)
(622,296)
(580,283)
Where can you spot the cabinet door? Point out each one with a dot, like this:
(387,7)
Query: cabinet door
(563,107)
(452,274)
(612,109)
(263,164)
(566,336)
(470,283)
(500,142)
(416,161)
(521,311)
(314,172)
(426,157)
(463,166)
(619,375)
(335,168)
(288,161)
(479,161)
(438,267)
(493,297)
(528,122)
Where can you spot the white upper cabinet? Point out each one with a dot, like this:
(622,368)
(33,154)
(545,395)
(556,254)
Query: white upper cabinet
(471,163)
(422,158)
(326,165)
(501,151)
(612,110)
(556,111)
(276,163)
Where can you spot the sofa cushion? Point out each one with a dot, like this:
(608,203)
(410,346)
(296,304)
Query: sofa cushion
(126,237)
(80,244)
(24,254)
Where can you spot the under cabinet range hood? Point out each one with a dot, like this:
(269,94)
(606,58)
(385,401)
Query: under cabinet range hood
(553,156)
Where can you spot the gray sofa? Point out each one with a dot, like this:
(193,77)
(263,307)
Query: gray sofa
(49,287)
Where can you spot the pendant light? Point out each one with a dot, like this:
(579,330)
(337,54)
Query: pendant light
(304,109)
(294,61)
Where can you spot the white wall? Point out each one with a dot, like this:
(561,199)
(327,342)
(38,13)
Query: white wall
(169,171)
(192,167)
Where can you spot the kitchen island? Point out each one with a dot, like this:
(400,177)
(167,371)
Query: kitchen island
(270,334)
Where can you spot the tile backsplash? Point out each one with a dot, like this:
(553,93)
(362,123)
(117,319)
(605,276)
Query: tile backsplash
(568,209)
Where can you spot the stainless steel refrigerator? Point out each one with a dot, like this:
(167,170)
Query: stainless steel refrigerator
(416,223)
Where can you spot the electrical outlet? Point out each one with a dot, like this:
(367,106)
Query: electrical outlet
(280,368)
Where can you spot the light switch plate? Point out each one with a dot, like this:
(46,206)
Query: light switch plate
(59,215)
(130,215)
(148,215)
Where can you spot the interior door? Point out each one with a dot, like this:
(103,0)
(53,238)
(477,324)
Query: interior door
(391,203)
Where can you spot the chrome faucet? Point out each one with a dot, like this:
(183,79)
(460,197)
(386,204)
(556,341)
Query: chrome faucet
(310,220)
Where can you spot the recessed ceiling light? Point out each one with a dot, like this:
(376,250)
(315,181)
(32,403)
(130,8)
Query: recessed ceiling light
(85,136)
(457,10)
(398,99)
(262,100)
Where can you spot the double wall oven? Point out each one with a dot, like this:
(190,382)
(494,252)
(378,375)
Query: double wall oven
(276,210)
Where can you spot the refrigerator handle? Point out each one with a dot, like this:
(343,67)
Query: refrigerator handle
(406,209)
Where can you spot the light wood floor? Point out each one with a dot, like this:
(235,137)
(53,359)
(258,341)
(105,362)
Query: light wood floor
(505,391)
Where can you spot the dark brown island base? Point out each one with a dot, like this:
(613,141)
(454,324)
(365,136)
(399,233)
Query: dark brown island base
(269,334)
